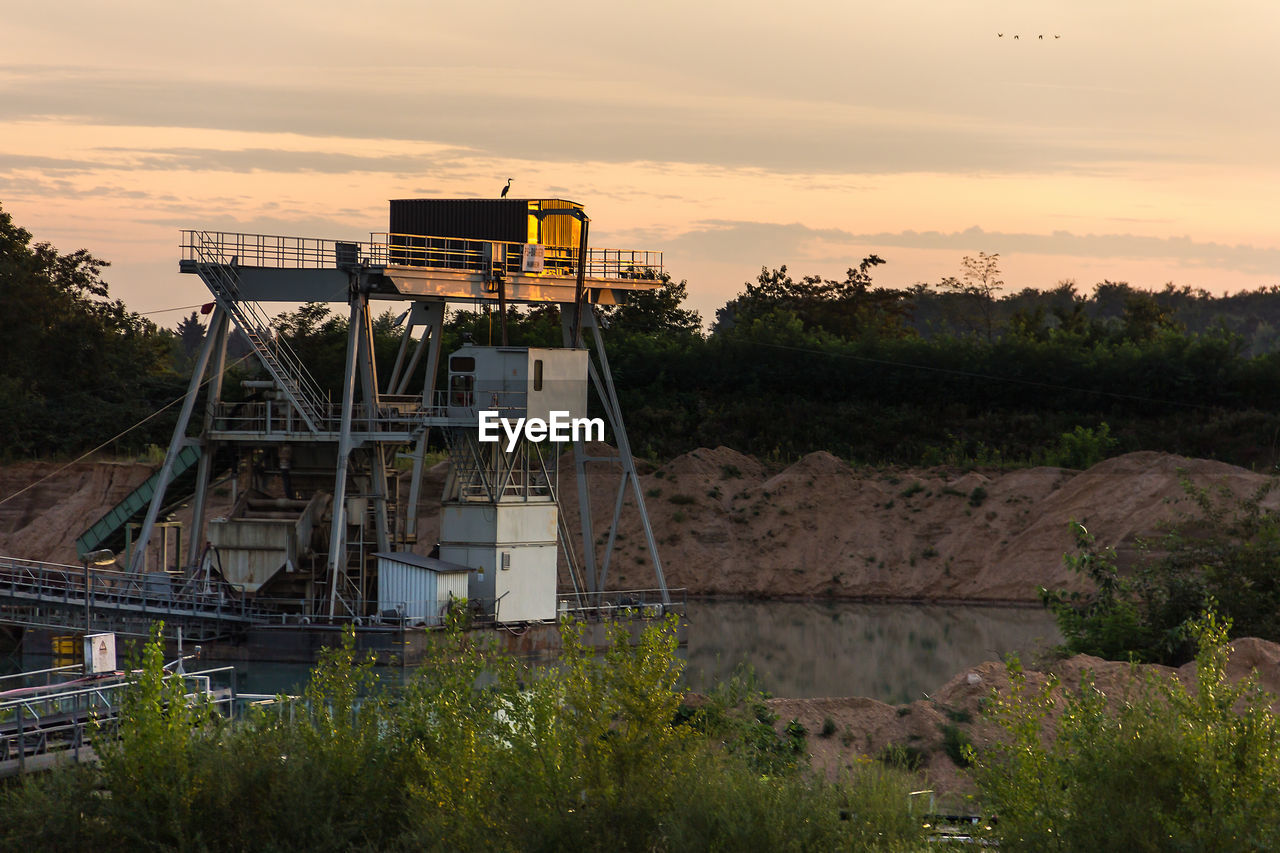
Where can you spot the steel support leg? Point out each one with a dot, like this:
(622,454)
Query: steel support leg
(338,530)
(569,329)
(609,397)
(218,326)
(377,461)
(434,321)
(176,443)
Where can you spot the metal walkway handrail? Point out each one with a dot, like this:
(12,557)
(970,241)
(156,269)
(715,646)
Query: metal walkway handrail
(280,360)
(30,581)
(412,250)
(66,718)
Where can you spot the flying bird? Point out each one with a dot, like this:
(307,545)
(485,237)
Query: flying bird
(1041,38)
(1015,36)
(999,35)
(506,189)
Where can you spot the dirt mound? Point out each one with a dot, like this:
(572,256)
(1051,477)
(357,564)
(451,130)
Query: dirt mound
(45,506)
(726,524)
(819,527)
(928,731)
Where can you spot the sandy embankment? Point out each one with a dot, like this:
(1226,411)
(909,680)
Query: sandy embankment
(727,525)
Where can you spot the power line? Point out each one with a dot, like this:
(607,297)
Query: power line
(169,310)
(114,438)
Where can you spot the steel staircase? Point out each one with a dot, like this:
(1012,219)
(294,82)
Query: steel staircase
(284,365)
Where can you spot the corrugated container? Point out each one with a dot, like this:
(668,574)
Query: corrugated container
(419,588)
(506,220)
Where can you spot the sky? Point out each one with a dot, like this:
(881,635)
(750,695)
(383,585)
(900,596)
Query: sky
(1136,141)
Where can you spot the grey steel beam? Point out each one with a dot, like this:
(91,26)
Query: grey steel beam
(377,461)
(218,326)
(604,378)
(434,321)
(580,471)
(175,444)
(407,336)
(338,530)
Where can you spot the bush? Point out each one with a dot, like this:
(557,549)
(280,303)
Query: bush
(473,752)
(1082,447)
(1167,768)
(1225,556)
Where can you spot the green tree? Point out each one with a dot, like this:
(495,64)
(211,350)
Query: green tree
(75,365)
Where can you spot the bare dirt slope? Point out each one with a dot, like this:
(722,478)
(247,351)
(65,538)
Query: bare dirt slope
(726,524)
(867,728)
(42,522)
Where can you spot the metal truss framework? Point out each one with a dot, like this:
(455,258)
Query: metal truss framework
(374,420)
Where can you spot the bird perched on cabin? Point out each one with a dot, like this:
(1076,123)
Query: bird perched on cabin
(506,189)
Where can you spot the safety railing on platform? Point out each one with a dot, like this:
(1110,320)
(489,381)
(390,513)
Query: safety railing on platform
(157,595)
(415,250)
(622,604)
(394,414)
(67,718)
(287,368)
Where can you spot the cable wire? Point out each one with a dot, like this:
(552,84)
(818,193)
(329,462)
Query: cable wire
(116,437)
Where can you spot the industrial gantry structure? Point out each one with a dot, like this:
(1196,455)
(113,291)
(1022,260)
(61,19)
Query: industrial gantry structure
(321,530)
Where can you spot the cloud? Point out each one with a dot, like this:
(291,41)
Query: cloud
(280,160)
(783,241)
(562,124)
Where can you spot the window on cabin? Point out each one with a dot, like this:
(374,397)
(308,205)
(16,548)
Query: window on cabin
(460,388)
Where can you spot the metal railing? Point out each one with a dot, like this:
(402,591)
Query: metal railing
(275,353)
(413,250)
(84,594)
(622,604)
(398,414)
(67,718)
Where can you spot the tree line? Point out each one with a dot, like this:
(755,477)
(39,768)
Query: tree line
(953,372)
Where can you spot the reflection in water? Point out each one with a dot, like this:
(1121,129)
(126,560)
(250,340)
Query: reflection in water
(891,652)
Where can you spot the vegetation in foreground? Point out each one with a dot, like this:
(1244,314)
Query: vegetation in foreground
(597,753)
(1164,768)
(1224,556)
(602,753)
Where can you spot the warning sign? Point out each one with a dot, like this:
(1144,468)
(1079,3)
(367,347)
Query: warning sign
(99,653)
(532,258)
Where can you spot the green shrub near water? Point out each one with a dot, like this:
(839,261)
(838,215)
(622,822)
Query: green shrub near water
(1168,768)
(475,752)
(1225,555)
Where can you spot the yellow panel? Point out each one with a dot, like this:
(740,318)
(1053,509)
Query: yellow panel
(560,230)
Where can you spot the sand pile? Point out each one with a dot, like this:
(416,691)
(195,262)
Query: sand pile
(726,524)
(42,523)
(865,727)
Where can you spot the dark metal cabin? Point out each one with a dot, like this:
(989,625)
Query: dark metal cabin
(505,220)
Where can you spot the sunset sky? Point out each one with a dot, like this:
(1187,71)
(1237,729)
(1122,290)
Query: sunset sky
(1137,141)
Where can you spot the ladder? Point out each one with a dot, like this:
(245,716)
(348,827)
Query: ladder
(286,368)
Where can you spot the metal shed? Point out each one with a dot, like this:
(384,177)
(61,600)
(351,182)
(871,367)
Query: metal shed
(419,588)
